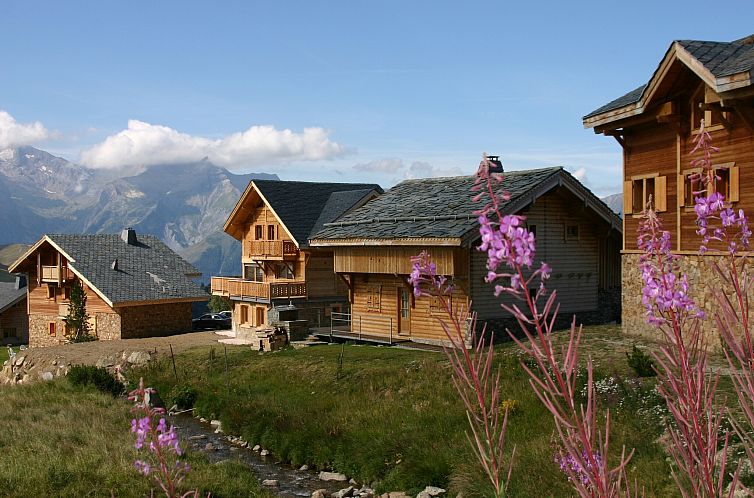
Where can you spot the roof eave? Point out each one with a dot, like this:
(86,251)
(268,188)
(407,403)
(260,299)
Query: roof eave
(403,241)
(14,302)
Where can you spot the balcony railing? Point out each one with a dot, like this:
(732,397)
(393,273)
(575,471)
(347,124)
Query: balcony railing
(271,249)
(50,274)
(241,289)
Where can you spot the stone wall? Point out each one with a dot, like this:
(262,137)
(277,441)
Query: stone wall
(39,332)
(106,326)
(702,279)
(154,320)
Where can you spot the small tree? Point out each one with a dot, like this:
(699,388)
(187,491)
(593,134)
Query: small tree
(78,319)
(218,303)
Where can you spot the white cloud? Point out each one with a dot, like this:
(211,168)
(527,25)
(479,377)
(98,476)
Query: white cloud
(580,175)
(14,134)
(390,165)
(145,144)
(421,169)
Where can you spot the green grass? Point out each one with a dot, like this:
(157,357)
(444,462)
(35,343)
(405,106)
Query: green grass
(59,440)
(387,415)
(3,354)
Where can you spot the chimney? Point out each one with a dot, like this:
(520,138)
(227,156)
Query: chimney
(494,164)
(114,266)
(20,282)
(129,236)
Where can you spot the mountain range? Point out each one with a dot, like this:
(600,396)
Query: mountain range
(185,205)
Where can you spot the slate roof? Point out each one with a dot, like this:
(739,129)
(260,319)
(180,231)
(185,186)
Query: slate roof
(147,271)
(719,58)
(9,295)
(428,208)
(302,205)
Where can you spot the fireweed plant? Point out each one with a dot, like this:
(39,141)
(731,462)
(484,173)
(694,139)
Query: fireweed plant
(160,441)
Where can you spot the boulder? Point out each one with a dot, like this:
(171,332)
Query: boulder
(303,468)
(434,491)
(332,476)
(319,493)
(46,376)
(256,447)
(346,492)
(264,453)
(19,361)
(209,447)
(270,482)
(139,358)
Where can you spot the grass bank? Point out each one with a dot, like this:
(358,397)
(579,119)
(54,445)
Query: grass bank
(60,440)
(389,415)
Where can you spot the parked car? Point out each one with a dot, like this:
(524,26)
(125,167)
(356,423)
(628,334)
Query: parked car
(210,321)
(226,314)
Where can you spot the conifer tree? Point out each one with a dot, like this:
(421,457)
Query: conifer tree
(78,319)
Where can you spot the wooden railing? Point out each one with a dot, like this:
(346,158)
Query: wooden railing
(240,288)
(271,249)
(50,274)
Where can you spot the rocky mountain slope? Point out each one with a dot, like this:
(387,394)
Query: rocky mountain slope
(615,202)
(185,205)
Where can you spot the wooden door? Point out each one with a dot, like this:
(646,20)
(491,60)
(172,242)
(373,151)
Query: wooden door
(260,316)
(404,311)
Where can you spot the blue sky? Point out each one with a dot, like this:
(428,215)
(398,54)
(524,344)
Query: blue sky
(387,90)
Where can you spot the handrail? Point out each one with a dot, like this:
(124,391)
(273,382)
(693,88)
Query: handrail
(267,290)
(271,248)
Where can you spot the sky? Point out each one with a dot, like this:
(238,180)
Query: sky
(351,91)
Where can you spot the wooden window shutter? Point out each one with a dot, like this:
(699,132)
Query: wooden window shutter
(734,177)
(681,191)
(628,197)
(661,194)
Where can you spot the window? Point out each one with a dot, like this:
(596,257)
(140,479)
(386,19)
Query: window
(638,190)
(726,182)
(374,298)
(283,272)
(436,306)
(533,230)
(50,291)
(258,232)
(66,293)
(572,232)
(253,272)
(244,314)
(271,232)
(51,328)
(705,104)
(260,315)
(9,333)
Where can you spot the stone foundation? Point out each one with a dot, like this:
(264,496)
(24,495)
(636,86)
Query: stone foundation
(154,320)
(702,280)
(39,331)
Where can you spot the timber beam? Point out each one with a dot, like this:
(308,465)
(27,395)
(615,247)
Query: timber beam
(349,283)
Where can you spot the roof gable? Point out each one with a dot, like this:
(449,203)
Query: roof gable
(299,206)
(147,271)
(723,66)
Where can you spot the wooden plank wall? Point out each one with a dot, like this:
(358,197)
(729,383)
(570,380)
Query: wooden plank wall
(423,322)
(264,216)
(575,262)
(396,259)
(321,279)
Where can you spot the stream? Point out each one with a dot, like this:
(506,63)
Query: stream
(291,482)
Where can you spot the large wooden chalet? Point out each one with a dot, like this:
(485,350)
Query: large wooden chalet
(577,234)
(655,125)
(273,220)
(135,287)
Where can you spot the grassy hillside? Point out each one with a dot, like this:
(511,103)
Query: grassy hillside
(58,440)
(390,415)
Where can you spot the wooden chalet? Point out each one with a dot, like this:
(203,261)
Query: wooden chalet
(273,221)
(577,234)
(655,125)
(135,287)
(14,324)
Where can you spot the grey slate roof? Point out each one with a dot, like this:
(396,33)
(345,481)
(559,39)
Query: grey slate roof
(300,205)
(9,295)
(430,207)
(337,204)
(147,271)
(719,58)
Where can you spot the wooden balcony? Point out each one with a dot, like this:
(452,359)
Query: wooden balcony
(238,288)
(271,249)
(50,274)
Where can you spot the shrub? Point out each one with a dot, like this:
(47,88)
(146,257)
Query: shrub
(100,378)
(641,363)
(183,397)
(509,405)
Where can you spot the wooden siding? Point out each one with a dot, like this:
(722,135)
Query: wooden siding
(15,320)
(381,320)
(321,279)
(574,261)
(397,260)
(278,247)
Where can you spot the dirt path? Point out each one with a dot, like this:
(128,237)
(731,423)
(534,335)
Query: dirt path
(40,363)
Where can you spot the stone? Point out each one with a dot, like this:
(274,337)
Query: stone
(104,363)
(270,482)
(264,453)
(256,447)
(46,376)
(19,361)
(353,482)
(319,493)
(345,492)
(209,447)
(215,423)
(202,420)
(332,476)
(303,468)
(197,437)
(139,358)
(434,491)
(234,449)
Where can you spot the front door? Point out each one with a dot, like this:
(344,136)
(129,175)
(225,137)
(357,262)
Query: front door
(404,311)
